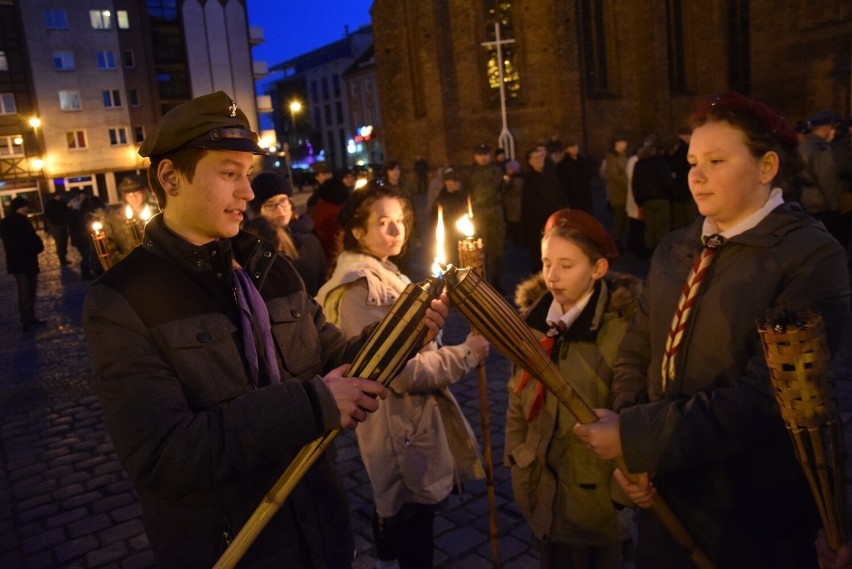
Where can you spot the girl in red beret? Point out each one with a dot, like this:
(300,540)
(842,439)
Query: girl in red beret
(582,312)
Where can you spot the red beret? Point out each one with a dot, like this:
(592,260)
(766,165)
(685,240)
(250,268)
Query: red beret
(587,225)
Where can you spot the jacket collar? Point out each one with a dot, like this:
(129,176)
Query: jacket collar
(216,257)
(586,326)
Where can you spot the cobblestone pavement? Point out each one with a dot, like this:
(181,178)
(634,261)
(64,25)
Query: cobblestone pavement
(65,501)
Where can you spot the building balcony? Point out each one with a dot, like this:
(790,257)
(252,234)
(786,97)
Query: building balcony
(264,104)
(256,35)
(259,69)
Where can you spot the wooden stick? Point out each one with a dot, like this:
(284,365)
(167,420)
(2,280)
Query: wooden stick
(472,254)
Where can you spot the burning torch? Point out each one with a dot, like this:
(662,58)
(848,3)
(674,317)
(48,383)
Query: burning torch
(390,345)
(472,255)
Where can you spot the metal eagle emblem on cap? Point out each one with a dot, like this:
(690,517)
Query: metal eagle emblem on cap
(233,109)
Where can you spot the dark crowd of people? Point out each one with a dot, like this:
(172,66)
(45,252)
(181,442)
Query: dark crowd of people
(222,346)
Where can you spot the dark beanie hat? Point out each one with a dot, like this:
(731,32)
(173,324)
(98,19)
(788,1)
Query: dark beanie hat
(266,185)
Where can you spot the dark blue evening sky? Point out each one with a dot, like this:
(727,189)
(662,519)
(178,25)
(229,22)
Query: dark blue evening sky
(294,27)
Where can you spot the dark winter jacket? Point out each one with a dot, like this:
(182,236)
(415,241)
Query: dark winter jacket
(21,244)
(311,264)
(715,440)
(652,180)
(201,444)
(542,195)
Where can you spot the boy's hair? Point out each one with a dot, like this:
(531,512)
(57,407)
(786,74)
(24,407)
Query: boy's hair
(184,159)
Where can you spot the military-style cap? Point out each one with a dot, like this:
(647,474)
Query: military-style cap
(213,121)
(821,118)
(482,149)
(131,184)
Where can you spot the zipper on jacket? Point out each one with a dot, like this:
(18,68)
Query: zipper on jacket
(226,536)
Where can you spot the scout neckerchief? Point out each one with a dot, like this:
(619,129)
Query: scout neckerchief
(713,239)
(559,322)
(254,318)
(684,305)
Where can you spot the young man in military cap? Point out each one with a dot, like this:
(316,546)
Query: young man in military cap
(213,366)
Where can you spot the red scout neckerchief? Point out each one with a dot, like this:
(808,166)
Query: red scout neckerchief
(548,341)
(687,299)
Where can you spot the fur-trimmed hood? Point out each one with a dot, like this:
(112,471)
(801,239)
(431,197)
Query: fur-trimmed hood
(624,290)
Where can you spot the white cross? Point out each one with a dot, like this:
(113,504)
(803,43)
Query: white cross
(505,140)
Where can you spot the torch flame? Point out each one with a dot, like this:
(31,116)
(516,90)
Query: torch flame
(128,212)
(97,226)
(145,214)
(465,225)
(440,256)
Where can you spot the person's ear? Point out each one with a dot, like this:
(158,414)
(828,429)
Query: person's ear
(358,233)
(168,177)
(600,269)
(769,166)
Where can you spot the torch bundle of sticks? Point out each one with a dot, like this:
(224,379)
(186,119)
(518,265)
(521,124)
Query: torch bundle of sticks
(390,345)
(798,359)
(487,311)
(99,241)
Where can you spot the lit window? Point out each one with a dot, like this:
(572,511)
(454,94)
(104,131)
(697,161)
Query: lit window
(7,104)
(501,13)
(118,136)
(123,20)
(138,134)
(106,60)
(12,145)
(4,63)
(69,100)
(101,19)
(63,60)
(76,139)
(128,58)
(112,98)
(56,19)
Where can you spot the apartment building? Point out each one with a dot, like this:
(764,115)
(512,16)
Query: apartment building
(81,83)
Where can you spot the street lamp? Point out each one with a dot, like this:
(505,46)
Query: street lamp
(295,108)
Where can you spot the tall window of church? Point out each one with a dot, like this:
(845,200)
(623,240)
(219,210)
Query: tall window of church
(597,52)
(412,55)
(674,23)
(739,67)
(500,12)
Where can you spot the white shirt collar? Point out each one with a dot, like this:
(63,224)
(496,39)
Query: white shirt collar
(775,199)
(555,313)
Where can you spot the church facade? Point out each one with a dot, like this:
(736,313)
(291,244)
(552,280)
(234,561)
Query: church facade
(588,69)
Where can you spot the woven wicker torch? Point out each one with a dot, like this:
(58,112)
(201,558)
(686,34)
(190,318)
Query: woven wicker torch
(798,359)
